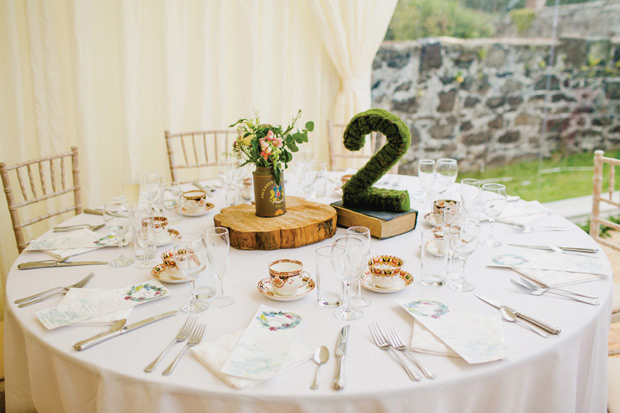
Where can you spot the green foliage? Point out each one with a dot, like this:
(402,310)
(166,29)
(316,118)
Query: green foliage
(522,18)
(604,231)
(415,19)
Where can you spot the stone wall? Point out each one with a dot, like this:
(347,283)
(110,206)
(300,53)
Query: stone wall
(483,101)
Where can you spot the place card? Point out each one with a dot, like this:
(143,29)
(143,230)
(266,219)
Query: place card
(552,261)
(261,351)
(471,336)
(106,302)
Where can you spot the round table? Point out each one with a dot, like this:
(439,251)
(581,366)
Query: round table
(563,373)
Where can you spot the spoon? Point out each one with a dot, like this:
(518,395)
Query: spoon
(321,355)
(509,316)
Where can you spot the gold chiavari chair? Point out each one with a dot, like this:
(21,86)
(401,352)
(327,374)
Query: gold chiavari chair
(38,181)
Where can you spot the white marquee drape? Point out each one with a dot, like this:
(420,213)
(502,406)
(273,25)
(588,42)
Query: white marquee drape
(111,76)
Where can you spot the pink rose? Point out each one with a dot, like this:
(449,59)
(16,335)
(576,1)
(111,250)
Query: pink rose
(269,135)
(277,142)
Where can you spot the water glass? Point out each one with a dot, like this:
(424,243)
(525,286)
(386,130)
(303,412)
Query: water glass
(470,197)
(347,271)
(152,189)
(116,216)
(190,256)
(493,201)
(426,175)
(218,248)
(171,201)
(328,288)
(463,238)
(446,171)
(434,258)
(363,233)
(315,181)
(143,224)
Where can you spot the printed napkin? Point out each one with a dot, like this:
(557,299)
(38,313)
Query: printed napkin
(469,335)
(214,353)
(555,278)
(86,293)
(261,351)
(553,261)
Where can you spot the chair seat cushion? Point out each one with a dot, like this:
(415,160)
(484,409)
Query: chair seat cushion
(613,384)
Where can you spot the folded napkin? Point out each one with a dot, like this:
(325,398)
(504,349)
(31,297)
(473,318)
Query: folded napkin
(424,341)
(523,213)
(214,353)
(59,254)
(84,293)
(555,278)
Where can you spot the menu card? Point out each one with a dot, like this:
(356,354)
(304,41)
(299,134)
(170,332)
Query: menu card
(82,238)
(464,333)
(105,319)
(103,303)
(552,261)
(261,351)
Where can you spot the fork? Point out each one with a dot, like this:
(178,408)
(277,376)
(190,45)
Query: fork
(531,291)
(61,290)
(533,286)
(380,341)
(395,341)
(182,336)
(78,226)
(194,339)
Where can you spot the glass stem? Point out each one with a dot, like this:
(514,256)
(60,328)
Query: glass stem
(492,229)
(220,288)
(462,269)
(120,245)
(192,289)
(358,290)
(345,297)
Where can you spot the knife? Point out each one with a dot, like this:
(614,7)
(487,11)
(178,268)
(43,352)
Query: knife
(548,247)
(54,263)
(341,352)
(118,329)
(92,211)
(547,327)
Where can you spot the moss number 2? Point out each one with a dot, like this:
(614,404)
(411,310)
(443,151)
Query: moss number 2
(359,191)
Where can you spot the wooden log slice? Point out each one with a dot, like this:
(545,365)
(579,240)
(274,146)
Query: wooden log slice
(304,223)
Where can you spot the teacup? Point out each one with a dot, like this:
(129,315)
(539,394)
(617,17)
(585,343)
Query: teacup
(438,245)
(194,201)
(287,276)
(385,270)
(438,208)
(161,224)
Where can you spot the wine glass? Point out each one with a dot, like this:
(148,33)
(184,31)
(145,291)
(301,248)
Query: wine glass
(463,237)
(143,224)
(493,200)
(470,196)
(190,256)
(353,258)
(301,166)
(226,171)
(116,215)
(152,188)
(362,233)
(171,201)
(426,175)
(218,246)
(446,170)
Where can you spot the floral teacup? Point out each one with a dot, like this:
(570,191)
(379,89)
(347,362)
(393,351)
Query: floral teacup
(287,276)
(385,270)
(194,201)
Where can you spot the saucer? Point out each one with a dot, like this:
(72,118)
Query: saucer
(430,219)
(167,274)
(403,282)
(265,288)
(166,237)
(207,208)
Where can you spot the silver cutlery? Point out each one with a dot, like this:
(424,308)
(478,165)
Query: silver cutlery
(196,338)
(77,227)
(341,352)
(561,251)
(547,327)
(529,228)
(532,291)
(549,248)
(44,295)
(119,328)
(93,211)
(181,337)
(395,341)
(512,318)
(321,355)
(381,342)
(56,263)
(544,289)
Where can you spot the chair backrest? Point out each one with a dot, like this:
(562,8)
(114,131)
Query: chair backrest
(598,197)
(339,156)
(38,181)
(197,150)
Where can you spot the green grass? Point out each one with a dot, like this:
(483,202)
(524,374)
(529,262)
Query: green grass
(544,187)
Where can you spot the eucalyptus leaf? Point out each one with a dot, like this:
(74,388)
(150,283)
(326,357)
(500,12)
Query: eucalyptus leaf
(310,126)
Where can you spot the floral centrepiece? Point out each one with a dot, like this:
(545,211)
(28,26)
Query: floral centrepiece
(267,145)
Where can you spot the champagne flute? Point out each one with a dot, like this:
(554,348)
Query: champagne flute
(362,233)
(116,215)
(218,246)
(143,224)
(190,256)
(463,237)
(353,260)
(470,196)
(131,188)
(447,170)
(450,216)
(493,200)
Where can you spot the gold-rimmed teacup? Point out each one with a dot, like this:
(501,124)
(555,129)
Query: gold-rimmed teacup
(287,276)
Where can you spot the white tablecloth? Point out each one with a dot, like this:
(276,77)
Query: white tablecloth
(565,373)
